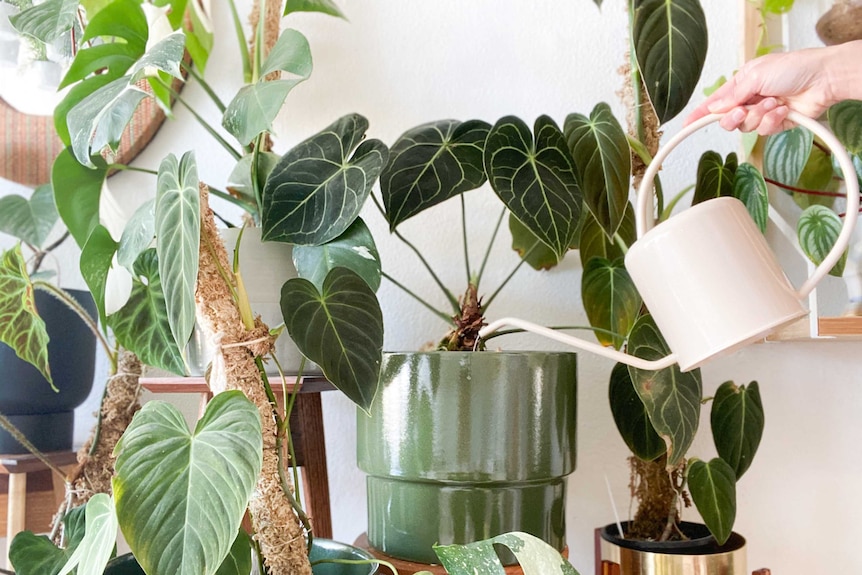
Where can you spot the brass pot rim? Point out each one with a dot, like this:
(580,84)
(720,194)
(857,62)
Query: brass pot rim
(706,545)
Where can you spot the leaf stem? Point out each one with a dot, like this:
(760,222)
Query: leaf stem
(10,428)
(407,290)
(240,36)
(207,88)
(490,246)
(464,237)
(804,190)
(206,126)
(126,167)
(247,206)
(527,253)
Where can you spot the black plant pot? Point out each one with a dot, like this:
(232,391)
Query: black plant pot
(44,416)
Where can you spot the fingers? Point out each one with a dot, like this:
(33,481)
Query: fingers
(766,117)
(774,121)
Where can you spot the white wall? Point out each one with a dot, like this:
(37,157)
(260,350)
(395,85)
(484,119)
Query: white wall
(402,63)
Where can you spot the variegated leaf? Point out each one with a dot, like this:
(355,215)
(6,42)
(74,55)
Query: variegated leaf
(750,188)
(786,153)
(534,556)
(46,21)
(817,229)
(611,300)
(354,249)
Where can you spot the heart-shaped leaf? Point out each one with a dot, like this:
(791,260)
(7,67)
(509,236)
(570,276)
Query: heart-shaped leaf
(100,537)
(29,221)
(671,397)
(340,328)
(534,556)
(601,152)
(786,153)
(431,163)
(32,554)
(845,120)
(95,263)
(255,106)
(77,190)
(818,229)
(715,178)
(21,328)
(138,234)
(178,238)
(354,249)
(46,21)
(536,178)
(750,188)
(142,324)
(323,6)
(595,244)
(631,417)
(534,251)
(181,496)
(611,300)
(315,192)
(713,490)
(670,41)
(737,424)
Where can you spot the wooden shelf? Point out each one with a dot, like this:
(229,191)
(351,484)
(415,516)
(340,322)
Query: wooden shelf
(847,328)
(198,384)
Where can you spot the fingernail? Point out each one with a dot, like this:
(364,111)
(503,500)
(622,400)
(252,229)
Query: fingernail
(738,115)
(769,104)
(717,106)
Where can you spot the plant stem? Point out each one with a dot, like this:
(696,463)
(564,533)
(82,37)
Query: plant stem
(407,290)
(243,49)
(10,428)
(674,201)
(558,328)
(232,199)
(803,190)
(487,304)
(258,43)
(255,165)
(490,245)
(207,88)
(464,237)
(41,253)
(212,132)
(125,167)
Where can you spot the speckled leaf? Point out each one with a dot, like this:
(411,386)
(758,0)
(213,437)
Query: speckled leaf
(142,326)
(181,496)
(432,163)
(178,241)
(611,300)
(77,190)
(100,538)
(536,179)
(845,120)
(715,177)
(750,188)
(534,556)
(32,220)
(817,229)
(631,417)
(317,189)
(737,424)
(354,249)
(21,328)
(670,41)
(340,328)
(713,490)
(786,153)
(671,397)
(537,254)
(595,244)
(602,156)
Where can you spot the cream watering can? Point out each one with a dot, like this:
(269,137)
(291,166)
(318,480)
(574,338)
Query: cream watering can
(707,275)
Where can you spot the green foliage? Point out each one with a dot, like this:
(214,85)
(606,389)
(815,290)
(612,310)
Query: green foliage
(534,555)
(238,560)
(715,178)
(631,417)
(46,21)
(818,229)
(95,263)
(786,153)
(713,490)
(534,251)
(777,6)
(611,300)
(737,424)
(166,478)
(750,187)
(138,234)
(354,249)
(77,190)
(95,548)
(32,554)
(31,221)
(595,244)
(844,120)
(323,6)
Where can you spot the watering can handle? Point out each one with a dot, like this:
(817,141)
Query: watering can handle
(644,220)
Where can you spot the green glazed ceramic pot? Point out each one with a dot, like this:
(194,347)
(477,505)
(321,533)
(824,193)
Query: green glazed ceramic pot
(463,446)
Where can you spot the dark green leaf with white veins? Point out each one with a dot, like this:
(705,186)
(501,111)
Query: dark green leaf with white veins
(670,41)
(845,119)
(354,249)
(534,556)
(786,153)
(340,328)
(534,251)
(142,324)
(672,398)
(714,177)
(713,490)
(602,156)
(21,328)
(595,244)
(432,163)
(750,188)
(317,189)
(178,238)
(818,229)
(536,178)
(631,417)
(29,220)
(737,424)
(181,496)
(611,300)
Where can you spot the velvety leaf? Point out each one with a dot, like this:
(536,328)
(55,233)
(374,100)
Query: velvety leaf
(785,155)
(32,554)
(536,252)
(534,556)
(354,249)
(100,536)
(138,234)
(611,300)
(671,397)
(323,6)
(631,416)
(178,241)
(21,328)
(818,229)
(315,192)
(845,120)
(713,490)
(142,324)
(602,156)
(750,188)
(238,560)
(715,177)
(181,496)
(77,190)
(536,178)
(340,328)
(431,163)
(595,244)
(29,220)
(46,21)
(95,262)
(670,41)
(239,183)
(737,424)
